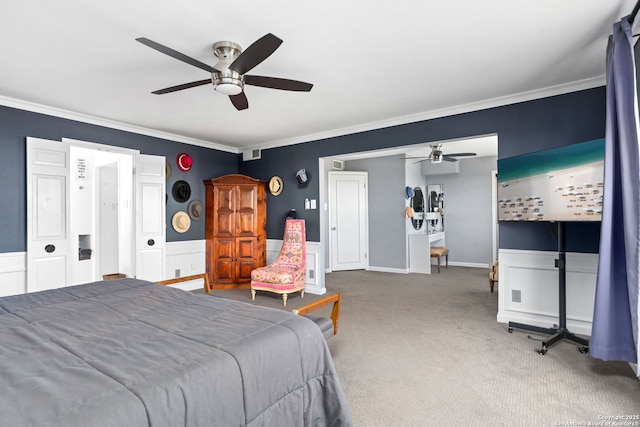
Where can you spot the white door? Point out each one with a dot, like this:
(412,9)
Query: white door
(48,246)
(150,217)
(348,230)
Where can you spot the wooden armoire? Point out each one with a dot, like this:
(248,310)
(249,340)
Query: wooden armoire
(236,219)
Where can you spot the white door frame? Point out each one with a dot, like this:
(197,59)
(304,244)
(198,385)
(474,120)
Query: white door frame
(135,155)
(494,213)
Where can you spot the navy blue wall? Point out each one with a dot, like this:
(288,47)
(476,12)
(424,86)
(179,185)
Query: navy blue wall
(522,128)
(16,125)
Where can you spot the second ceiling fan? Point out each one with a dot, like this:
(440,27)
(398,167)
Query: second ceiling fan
(228,75)
(438,156)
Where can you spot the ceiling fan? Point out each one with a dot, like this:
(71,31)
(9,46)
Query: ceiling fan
(228,75)
(437,156)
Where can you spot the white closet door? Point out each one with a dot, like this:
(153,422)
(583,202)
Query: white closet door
(48,246)
(150,217)
(348,220)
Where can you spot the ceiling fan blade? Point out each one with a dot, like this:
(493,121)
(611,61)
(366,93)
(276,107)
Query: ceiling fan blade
(460,154)
(239,101)
(181,87)
(277,83)
(260,50)
(175,54)
(448,158)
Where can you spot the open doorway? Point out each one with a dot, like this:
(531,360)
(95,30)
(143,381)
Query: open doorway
(394,167)
(89,215)
(101,214)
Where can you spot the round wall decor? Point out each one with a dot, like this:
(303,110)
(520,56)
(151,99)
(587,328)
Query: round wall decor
(275,185)
(181,221)
(181,191)
(184,162)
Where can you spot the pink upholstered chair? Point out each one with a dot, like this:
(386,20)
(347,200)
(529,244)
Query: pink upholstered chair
(287,273)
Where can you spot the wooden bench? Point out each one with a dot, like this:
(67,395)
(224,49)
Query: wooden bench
(207,288)
(328,326)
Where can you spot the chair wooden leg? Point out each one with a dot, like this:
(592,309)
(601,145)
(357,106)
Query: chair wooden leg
(253,295)
(447,257)
(284,299)
(491,283)
(438,264)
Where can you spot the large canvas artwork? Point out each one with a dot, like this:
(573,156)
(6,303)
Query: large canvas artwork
(562,184)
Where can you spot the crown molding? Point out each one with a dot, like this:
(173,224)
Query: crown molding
(449,111)
(113,124)
(417,117)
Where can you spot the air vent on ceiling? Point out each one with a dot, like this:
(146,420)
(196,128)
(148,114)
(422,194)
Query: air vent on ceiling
(253,154)
(337,164)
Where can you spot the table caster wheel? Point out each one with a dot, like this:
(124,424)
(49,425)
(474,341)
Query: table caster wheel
(510,330)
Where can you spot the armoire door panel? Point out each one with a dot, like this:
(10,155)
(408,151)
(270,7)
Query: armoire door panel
(225,271)
(225,224)
(224,248)
(246,224)
(224,211)
(246,211)
(247,198)
(244,271)
(223,258)
(245,248)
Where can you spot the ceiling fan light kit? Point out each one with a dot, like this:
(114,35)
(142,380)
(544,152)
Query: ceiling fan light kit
(228,75)
(224,79)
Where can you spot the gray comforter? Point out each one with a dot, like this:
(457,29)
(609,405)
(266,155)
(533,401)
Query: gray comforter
(133,353)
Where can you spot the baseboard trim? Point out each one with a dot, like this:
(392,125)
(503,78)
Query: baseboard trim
(13,273)
(388,270)
(469,264)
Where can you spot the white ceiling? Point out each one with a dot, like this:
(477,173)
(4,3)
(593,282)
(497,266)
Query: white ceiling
(372,63)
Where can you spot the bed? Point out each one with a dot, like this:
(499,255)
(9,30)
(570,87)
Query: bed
(132,353)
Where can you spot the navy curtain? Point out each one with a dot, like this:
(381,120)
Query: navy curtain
(615,321)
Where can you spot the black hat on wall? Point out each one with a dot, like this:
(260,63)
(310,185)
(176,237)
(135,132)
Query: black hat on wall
(302,176)
(181,191)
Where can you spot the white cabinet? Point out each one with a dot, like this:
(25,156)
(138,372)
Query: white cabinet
(419,250)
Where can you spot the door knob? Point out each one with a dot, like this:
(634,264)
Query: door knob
(333,228)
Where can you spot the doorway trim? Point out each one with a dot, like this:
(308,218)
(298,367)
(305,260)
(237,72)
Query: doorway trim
(147,176)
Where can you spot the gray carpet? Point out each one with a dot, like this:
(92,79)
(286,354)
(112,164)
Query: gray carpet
(426,350)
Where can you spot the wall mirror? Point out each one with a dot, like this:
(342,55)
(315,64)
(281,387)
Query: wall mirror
(434,202)
(417,203)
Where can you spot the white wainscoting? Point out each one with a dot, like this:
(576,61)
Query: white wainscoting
(182,259)
(534,274)
(314,284)
(13,273)
(186,259)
